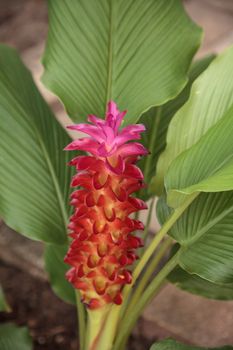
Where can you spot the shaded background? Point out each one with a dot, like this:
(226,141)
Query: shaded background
(23,24)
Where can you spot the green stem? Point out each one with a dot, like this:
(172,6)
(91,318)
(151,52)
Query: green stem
(146,230)
(158,238)
(129,322)
(151,249)
(102,324)
(81,320)
(109,334)
(96,327)
(165,246)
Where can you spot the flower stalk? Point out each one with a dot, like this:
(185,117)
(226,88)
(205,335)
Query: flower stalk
(81,320)
(95,327)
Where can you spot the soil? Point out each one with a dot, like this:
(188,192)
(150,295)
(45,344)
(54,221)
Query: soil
(51,322)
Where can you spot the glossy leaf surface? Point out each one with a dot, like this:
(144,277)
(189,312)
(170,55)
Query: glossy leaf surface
(197,285)
(14,338)
(157,120)
(3,303)
(132,52)
(34,178)
(170,344)
(205,167)
(56,268)
(205,233)
(210,99)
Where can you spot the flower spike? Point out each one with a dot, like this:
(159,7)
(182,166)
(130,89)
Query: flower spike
(103,245)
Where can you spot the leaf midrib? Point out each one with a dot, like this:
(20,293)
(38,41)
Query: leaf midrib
(110,55)
(55,182)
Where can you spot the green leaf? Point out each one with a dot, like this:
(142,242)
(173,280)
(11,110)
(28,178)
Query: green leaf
(170,344)
(14,338)
(205,233)
(205,167)
(3,303)
(211,97)
(34,178)
(132,52)
(197,285)
(157,120)
(56,268)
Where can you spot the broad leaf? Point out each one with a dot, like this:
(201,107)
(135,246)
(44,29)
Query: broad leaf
(34,178)
(132,52)
(56,268)
(197,285)
(3,303)
(211,97)
(14,338)
(170,344)
(157,120)
(205,233)
(205,167)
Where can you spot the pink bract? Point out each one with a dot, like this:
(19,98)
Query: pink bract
(106,140)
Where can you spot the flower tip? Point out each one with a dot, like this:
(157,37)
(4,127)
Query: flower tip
(112,108)
(142,127)
(112,104)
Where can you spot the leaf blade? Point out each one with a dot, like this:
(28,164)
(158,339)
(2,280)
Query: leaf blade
(3,303)
(211,97)
(207,166)
(168,344)
(56,268)
(34,179)
(196,285)
(129,43)
(157,121)
(205,234)
(13,337)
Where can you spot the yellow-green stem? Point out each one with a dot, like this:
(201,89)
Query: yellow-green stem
(148,220)
(109,332)
(163,250)
(81,313)
(96,328)
(158,238)
(128,324)
(119,311)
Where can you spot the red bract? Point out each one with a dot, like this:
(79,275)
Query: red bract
(103,244)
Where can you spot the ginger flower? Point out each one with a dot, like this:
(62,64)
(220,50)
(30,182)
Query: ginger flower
(103,244)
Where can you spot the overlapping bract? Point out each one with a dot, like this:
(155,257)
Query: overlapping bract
(103,246)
